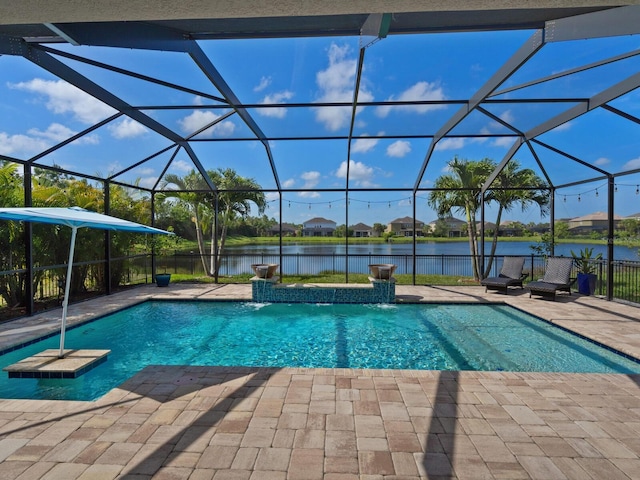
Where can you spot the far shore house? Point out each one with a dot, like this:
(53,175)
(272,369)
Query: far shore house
(489,228)
(361,230)
(318,227)
(288,230)
(594,222)
(456,228)
(509,228)
(403,227)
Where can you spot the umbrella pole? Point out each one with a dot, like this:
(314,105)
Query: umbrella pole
(67,284)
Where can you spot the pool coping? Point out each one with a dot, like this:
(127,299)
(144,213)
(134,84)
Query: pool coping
(253,423)
(81,314)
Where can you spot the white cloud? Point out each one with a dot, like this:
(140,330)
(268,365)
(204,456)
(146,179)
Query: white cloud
(503,142)
(62,97)
(181,166)
(632,164)
(289,183)
(359,173)
(450,144)
(602,161)
(363,145)
(148,182)
(264,83)
(311,179)
(21,144)
(336,85)
(276,112)
(399,149)
(199,119)
(419,91)
(270,196)
(145,171)
(308,194)
(127,128)
(507,116)
(58,133)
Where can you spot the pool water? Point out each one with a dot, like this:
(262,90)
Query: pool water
(420,336)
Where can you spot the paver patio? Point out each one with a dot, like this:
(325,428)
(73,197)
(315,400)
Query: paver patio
(175,422)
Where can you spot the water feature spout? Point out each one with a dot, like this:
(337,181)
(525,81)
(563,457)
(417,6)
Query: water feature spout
(264,270)
(382,271)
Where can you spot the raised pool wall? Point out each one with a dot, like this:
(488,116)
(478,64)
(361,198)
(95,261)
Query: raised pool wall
(270,291)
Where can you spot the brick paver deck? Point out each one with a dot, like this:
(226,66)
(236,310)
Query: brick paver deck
(185,422)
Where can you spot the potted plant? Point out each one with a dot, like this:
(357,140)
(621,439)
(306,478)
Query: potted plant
(163,244)
(586,264)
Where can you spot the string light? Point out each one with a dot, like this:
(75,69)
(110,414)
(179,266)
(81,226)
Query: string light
(596,193)
(578,197)
(637,189)
(565,199)
(368,204)
(616,188)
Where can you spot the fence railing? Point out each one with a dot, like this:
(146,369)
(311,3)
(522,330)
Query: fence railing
(88,277)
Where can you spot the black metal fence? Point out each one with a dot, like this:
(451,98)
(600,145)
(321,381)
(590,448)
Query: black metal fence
(88,277)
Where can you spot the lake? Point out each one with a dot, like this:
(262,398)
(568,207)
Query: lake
(424,248)
(433,257)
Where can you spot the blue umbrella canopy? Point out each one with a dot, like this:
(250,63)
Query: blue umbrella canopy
(74,217)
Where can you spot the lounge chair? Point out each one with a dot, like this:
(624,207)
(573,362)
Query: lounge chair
(557,278)
(510,275)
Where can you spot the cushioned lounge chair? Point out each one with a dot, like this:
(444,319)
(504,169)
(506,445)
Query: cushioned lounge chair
(557,278)
(510,275)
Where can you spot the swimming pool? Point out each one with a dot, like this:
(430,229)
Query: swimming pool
(419,336)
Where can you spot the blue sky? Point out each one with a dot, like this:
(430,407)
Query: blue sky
(37,111)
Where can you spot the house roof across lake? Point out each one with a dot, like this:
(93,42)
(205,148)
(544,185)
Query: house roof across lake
(596,216)
(318,220)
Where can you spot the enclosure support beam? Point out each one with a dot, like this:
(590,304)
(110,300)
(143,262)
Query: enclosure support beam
(354,109)
(611,186)
(153,224)
(552,223)
(216,263)
(524,53)
(414,238)
(482,234)
(107,239)
(28,243)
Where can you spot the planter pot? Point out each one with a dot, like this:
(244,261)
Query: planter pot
(587,283)
(264,270)
(382,271)
(163,279)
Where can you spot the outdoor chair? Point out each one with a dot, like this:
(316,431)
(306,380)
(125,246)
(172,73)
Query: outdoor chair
(557,278)
(510,275)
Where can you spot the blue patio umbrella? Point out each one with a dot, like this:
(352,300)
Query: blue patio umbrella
(75,218)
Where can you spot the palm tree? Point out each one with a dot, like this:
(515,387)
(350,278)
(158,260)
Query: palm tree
(514,179)
(235,196)
(196,202)
(460,191)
